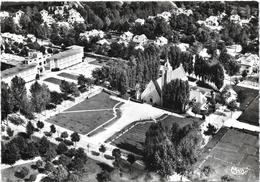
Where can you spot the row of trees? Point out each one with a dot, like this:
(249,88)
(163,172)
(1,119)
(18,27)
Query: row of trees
(15,98)
(171,150)
(141,68)
(210,72)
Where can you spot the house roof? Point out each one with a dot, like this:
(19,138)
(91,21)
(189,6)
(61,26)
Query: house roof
(17,69)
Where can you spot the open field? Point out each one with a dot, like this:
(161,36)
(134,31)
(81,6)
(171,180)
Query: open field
(251,114)
(67,75)
(8,174)
(53,80)
(86,115)
(133,140)
(236,155)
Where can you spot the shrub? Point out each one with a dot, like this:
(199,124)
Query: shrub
(15,120)
(39,163)
(32,177)
(64,134)
(48,134)
(68,142)
(36,130)
(95,153)
(22,172)
(34,166)
(58,139)
(41,170)
(211,130)
(226,178)
(109,157)
(23,134)
(50,106)
(82,89)
(2,128)
(55,69)
(207,170)
(55,162)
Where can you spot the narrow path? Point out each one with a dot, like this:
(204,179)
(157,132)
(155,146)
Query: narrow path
(240,125)
(87,110)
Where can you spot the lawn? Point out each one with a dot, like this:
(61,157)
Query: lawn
(84,121)
(251,114)
(53,80)
(99,101)
(68,75)
(249,96)
(133,140)
(238,149)
(8,174)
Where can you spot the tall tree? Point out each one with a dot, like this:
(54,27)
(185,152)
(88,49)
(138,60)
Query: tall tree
(19,93)
(75,137)
(30,128)
(6,104)
(176,95)
(159,149)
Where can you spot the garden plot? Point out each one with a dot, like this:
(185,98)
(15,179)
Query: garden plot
(87,115)
(133,140)
(68,75)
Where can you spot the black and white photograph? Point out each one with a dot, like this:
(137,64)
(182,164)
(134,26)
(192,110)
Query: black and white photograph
(129,91)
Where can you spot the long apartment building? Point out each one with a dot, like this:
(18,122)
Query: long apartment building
(72,56)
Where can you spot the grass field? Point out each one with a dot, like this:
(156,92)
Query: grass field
(67,75)
(251,114)
(133,140)
(249,105)
(53,80)
(86,115)
(250,95)
(8,174)
(236,149)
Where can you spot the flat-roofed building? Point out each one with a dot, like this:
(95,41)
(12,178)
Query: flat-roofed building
(27,72)
(67,58)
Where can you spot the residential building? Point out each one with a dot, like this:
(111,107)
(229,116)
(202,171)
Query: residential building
(12,37)
(18,16)
(235,18)
(4,14)
(141,39)
(248,62)
(165,15)
(139,20)
(93,33)
(48,19)
(161,41)
(65,59)
(75,16)
(27,72)
(127,36)
(153,91)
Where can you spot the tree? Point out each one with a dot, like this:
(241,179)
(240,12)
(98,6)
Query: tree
(65,87)
(64,135)
(131,159)
(6,104)
(40,124)
(19,93)
(50,154)
(11,154)
(117,154)
(211,130)
(103,176)
(75,137)
(196,108)
(81,80)
(53,128)
(40,96)
(62,148)
(42,49)
(102,149)
(176,95)
(30,128)
(159,149)
(44,145)
(218,77)
(10,132)
(244,73)
(64,160)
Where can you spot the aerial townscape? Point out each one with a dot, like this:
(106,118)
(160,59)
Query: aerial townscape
(129,91)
